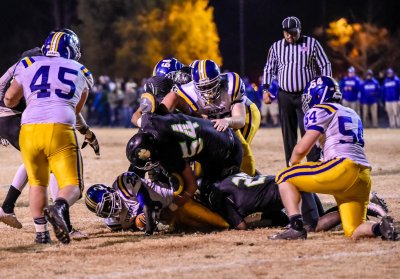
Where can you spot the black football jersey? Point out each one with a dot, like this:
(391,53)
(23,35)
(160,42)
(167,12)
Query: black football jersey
(240,195)
(184,138)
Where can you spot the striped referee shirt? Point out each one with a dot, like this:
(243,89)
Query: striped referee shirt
(294,65)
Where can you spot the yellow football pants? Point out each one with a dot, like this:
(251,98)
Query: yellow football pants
(51,146)
(348,182)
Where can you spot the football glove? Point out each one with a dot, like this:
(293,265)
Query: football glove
(90,138)
(4,142)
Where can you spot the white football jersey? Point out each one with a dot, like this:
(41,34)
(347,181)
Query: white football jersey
(342,132)
(52,88)
(128,185)
(231,92)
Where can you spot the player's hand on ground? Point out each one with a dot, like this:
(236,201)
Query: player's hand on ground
(90,138)
(220,124)
(4,142)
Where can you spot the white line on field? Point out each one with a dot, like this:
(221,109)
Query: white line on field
(213,266)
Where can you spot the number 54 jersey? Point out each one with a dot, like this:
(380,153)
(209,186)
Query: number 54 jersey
(52,88)
(341,129)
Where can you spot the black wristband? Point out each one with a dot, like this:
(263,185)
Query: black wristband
(265,86)
(84,129)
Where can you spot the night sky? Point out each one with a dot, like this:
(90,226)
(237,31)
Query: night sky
(262,24)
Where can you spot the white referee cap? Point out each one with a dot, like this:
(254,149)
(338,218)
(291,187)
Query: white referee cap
(291,22)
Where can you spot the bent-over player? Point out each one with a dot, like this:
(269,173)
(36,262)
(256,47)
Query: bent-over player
(345,171)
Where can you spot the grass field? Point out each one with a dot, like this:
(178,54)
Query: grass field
(228,254)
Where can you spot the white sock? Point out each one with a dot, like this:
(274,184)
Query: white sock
(20,178)
(53,187)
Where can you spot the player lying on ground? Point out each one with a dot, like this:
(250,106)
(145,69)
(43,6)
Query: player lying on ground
(10,126)
(131,200)
(240,195)
(345,171)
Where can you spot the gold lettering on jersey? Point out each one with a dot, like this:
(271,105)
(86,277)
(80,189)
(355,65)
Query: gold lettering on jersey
(187,129)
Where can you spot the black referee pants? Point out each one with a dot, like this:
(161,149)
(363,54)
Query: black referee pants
(291,115)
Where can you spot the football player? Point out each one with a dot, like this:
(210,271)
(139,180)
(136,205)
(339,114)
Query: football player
(55,86)
(174,140)
(166,73)
(345,171)
(239,195)
(10,126)
(219,98)
(132,199)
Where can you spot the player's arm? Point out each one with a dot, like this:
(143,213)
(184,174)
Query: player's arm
(148,104)
(82,101)
(304,146)
(13,94)
(190,186)
(136,117)
(171,101)
(90,137)
(236,121)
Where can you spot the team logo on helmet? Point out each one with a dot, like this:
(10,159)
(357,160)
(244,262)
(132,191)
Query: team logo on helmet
(144,154)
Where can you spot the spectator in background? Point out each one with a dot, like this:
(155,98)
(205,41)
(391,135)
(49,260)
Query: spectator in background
(271,110)
(369,99)
(100,106)
(252,93)
(130,102)
(391,93)
(350,87)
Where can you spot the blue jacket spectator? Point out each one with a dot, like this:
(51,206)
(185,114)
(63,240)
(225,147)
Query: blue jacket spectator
(391,87)
(350,87)
(369,98)
(391,93)
(370,90)
(252,94)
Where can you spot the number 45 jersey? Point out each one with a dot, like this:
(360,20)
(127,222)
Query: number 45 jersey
(341,129)
(52,88)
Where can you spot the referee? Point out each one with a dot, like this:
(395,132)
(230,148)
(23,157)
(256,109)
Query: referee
(293,61)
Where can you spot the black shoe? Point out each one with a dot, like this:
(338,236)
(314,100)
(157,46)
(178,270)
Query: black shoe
(379,201)
(290,234)
(54,214)
(387,229)
(43,237)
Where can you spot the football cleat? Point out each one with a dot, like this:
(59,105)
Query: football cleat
(374,198)
(54,215)
(290,234)
(387,229)
(43,237)
(77,234)
(9,219)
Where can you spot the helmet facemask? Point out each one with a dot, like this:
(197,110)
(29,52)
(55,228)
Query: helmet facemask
(306,99)
(110,205)
(208,89)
